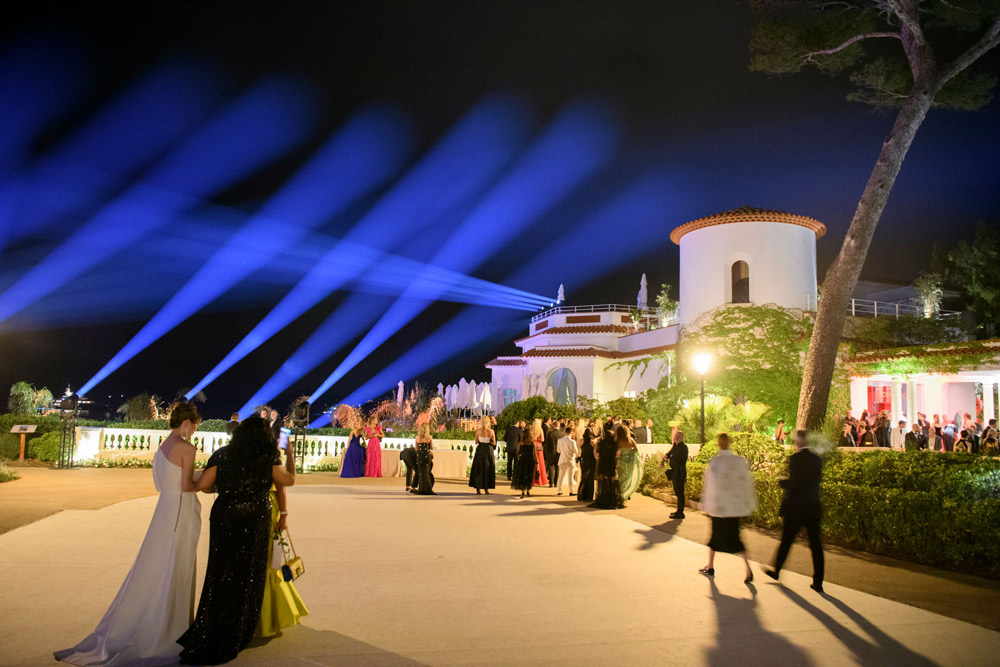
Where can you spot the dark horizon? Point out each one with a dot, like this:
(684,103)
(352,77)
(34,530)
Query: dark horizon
(676,77)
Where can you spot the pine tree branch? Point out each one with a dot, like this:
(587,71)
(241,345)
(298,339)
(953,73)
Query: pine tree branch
(808,57)
(989,40)
(907,12)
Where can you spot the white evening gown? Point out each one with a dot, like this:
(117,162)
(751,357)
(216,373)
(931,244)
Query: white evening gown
(155,605)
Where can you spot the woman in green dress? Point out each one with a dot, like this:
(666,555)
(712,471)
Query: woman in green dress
(629,466)
(282,607)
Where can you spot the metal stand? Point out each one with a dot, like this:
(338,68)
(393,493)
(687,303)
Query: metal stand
(300,421)
(68,410)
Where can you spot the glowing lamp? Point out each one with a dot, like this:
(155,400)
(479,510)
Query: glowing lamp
(702,362)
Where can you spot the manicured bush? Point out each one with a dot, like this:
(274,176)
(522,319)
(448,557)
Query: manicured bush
(45,447)
(525,410)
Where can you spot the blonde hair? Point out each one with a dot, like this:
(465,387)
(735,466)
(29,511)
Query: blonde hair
(536,429)
(424,430)
(581,426)
(485,423)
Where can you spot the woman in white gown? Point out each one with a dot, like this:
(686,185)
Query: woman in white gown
(155,605)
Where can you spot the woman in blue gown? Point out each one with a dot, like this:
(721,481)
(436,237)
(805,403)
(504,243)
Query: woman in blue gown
(353,464)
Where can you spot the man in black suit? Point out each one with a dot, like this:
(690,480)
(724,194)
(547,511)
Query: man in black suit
(677,459)
(801,507)
(550,449)
(512,437)
(234,421)
(643,434)
(276,423)
(914,439)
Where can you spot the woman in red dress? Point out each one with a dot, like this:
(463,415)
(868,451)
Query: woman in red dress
(537,436)
(373,462)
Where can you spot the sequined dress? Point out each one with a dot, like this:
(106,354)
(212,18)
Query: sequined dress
(588,467)
(282,607)
(238,551)
(425,467)
(609,491)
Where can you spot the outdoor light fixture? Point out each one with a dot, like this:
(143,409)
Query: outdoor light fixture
(300,413)
(702,362)
(69,408)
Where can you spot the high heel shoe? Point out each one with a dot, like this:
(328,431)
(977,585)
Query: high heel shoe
(708,571)
(749,579)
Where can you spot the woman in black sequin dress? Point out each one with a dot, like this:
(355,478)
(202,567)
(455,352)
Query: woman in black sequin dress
(425,461)
(609,491)
(239,543)
(588,463)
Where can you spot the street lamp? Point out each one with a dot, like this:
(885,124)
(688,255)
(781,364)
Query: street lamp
(702,361)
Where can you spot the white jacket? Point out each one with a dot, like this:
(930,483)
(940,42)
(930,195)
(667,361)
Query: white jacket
(897,438)
(728,488)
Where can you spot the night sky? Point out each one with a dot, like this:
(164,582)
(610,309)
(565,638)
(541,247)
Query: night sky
(675,73)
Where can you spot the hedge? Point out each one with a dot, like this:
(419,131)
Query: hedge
(925,507)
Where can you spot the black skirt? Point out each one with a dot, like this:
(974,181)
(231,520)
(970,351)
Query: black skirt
(524,469)
(726,535)
(484,472)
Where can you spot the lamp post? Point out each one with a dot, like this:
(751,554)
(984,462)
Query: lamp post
(701,363)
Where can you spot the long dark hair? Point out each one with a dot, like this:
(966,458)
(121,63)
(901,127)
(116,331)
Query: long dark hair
(252,442)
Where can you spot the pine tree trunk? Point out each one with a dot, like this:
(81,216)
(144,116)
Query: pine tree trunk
(842,276)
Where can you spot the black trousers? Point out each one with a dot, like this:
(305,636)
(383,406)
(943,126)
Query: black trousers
(511,459)
(791,528)
(553,472)
(679,492)
(411,474)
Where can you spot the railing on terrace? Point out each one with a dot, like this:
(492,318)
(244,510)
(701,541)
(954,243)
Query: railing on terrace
(865,308)
(651,317)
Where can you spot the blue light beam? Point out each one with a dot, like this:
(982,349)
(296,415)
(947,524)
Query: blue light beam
(260,126)
(644,210)
(460,165)
(355,161)
(109,148)
(577,144)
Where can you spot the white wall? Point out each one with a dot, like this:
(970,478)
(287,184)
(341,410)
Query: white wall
(781,257)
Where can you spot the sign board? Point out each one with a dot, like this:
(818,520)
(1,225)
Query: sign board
(30,428)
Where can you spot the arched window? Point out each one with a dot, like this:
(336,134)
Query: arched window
(741,282)
(563,384)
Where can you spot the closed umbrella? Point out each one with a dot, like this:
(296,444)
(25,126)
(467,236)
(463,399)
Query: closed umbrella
(399,394)
(525,386)
(440,389)
(643,293)
(487,398)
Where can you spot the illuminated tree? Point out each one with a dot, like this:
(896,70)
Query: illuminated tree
(22,399)
(910,55)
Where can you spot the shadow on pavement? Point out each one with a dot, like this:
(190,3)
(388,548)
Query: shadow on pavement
(743,640)
(324,645)
(657,534)
(884,651)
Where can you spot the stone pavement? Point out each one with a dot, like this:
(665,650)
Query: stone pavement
(460,579)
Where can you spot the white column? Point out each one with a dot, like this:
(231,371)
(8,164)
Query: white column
(989,411)
(897,402)
(859,396)
(911,401)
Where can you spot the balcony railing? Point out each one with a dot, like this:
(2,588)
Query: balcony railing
(865,308)
(650,317)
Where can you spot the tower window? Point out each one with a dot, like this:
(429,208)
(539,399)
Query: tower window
(741,282)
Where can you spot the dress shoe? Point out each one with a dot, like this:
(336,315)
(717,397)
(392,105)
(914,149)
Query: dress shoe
(772,574)
(708,571)
(817,587)
(677,515)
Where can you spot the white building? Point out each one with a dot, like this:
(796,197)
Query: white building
(746,255)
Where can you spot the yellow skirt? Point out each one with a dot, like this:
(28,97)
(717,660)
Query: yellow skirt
(282,607)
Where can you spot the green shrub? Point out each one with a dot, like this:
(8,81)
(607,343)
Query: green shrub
(45,447)
(525,410)
(324,467)
(627,408)
(7,474)
(653,476)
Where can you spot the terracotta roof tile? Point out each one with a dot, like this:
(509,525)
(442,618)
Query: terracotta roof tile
(587,329)
(748,214)
(506,362)
(595,352)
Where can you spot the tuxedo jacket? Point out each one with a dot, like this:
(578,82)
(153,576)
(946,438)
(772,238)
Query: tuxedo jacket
(805,470)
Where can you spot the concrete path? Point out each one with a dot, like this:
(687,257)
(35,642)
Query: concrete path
(460,579)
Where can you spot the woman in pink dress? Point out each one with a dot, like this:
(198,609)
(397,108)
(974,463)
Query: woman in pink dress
(373,464)
(537,435)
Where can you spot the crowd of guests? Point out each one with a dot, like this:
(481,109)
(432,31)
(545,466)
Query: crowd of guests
(363,456)
(960,433)
(247,591)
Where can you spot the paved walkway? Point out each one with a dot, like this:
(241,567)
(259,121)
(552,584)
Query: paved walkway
(459,579)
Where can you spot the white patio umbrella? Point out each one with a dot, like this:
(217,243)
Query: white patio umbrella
(487,401)
(440,389)
(525,386)
(463,394)
(561,296)
(550,394)
(643,293)
(399,394)
(473,397)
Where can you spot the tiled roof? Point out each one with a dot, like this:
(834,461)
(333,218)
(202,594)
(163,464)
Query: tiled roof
(748,214)
(588,329)
(562,352)
(506,362)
